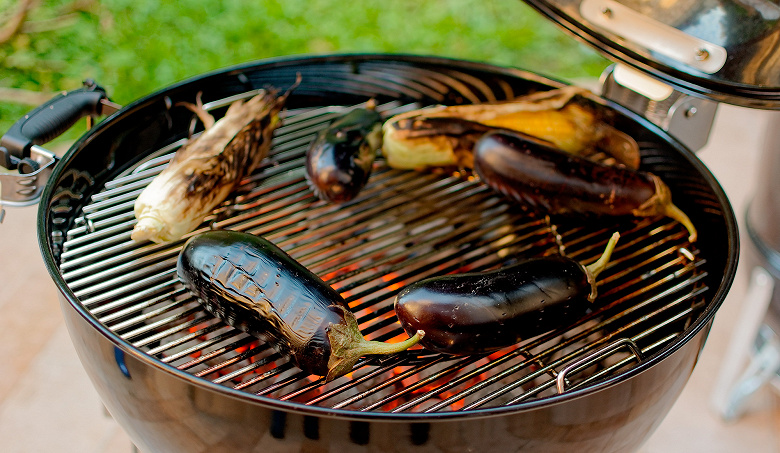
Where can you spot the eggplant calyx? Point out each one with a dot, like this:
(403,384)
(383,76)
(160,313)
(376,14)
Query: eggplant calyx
(593,270)
(347,346)
(374,139)
(661,204)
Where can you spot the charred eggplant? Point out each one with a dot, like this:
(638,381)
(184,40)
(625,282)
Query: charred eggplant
(482,312)
(536,174)
(339,161)
(253,285)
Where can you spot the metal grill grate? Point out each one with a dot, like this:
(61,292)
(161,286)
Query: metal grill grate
(404,226)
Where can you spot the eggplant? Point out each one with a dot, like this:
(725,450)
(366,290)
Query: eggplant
(254,286)
(476,313)
(538,175)
(339,161)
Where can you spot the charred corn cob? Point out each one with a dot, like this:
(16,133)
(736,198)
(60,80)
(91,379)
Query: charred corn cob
(441,136)
(206,170)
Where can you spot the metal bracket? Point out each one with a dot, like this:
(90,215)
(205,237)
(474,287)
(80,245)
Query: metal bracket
(687,118)
(24,189)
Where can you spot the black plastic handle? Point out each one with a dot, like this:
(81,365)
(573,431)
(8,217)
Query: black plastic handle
(50,120)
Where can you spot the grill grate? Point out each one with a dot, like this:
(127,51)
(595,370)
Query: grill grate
(404,226)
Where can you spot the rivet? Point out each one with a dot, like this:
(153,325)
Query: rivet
(607,12)
(690,112)
(702,54)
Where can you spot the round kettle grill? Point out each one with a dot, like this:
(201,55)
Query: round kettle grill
(179,380)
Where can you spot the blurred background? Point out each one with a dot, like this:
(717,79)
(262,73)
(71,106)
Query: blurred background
(135,47)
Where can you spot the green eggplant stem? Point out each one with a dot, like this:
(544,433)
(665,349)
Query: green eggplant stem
(676,213)
(380,348)
(348,346)
(661,204)
(593,270)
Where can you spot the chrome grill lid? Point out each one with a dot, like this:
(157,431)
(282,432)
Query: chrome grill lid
(725,50)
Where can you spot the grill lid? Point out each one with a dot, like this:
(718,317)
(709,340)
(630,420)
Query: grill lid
(720,49)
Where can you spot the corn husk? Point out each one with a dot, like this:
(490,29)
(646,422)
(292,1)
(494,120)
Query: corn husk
(206,170)
(424,138)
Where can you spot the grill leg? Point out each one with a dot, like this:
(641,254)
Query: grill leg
(753,342)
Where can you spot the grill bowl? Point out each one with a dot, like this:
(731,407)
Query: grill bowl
(177,380)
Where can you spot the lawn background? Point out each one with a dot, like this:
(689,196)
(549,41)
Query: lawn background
(135,47)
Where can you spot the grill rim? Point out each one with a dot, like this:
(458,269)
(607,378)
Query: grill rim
(704,321)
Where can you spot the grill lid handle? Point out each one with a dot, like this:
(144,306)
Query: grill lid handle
(721,50)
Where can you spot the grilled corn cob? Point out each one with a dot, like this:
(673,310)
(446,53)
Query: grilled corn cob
(206,170)
(445,135)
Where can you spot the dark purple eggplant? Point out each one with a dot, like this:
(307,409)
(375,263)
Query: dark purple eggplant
(253,285)
(476,313)
(536,174)
(340,159)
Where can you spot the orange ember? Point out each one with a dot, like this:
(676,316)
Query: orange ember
(392,276)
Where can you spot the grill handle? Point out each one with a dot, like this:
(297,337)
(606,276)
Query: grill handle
(19,148)
(49,121)
(600,354)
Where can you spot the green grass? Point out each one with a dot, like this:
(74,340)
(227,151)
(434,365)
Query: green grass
(134,47)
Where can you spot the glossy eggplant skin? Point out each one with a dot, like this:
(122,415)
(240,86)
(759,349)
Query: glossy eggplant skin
(475,313)
(544,178)
(339,161)
(253,285)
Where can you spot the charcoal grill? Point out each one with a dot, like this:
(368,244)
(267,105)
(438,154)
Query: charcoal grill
(178,379)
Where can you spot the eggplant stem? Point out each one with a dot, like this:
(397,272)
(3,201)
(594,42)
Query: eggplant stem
(348,345)
(676,213)
(380,348)
(661,204)
(595,269)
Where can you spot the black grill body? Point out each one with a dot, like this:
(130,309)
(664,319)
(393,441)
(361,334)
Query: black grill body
(136,351)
